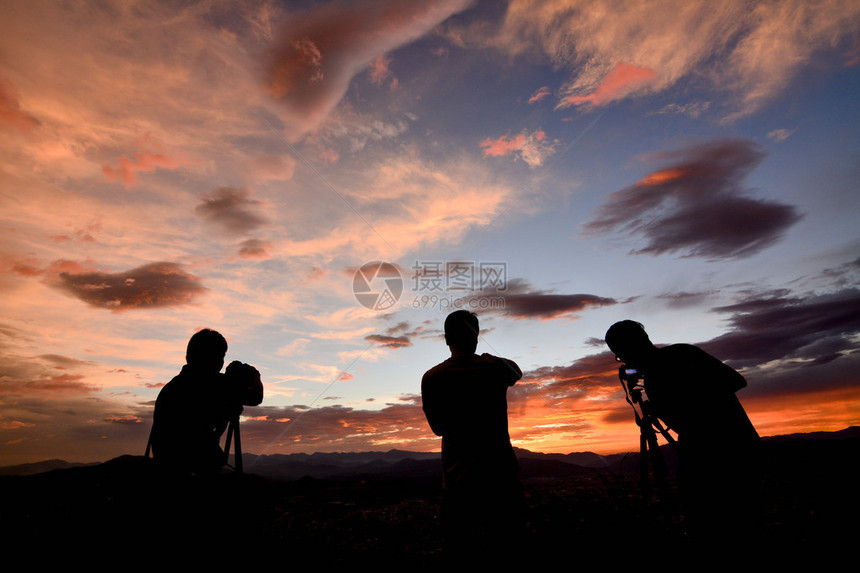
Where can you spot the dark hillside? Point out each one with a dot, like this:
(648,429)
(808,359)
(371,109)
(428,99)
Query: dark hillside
(387,512)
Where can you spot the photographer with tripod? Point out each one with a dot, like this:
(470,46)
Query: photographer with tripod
(693,394)
(194,409)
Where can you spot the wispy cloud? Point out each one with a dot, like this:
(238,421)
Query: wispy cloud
(622,81)
(753,52)
(315,57)
(533,148)
(540,94)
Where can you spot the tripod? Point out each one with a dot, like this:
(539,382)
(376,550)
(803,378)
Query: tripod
(234,436)
(649,425)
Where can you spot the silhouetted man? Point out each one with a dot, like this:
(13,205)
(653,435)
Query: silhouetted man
(465,401)
(194,408)
(694,394)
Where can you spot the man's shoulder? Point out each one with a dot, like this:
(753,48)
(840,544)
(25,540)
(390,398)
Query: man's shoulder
(438,369)
(681,350)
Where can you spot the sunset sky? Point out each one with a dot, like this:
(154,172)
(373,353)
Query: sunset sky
(555,166)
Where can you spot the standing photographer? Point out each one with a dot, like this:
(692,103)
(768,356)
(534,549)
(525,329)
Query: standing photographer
(465,401)
(194,408)
(693,393)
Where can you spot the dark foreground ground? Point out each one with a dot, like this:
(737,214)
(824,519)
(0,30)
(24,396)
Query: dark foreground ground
(116,513)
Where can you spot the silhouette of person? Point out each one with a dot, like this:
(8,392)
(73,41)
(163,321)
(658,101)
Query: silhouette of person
(718,447)
(465,402)
(194,408)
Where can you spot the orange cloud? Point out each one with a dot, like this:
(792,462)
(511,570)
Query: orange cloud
(620,82)
(663,176)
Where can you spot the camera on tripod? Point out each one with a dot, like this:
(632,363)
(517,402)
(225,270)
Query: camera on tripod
(244,388)
(634,386)
(244,384)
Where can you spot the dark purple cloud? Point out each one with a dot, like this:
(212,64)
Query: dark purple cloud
(399,336)
(232,209)
(814,329)
(149,286)
(521,300)
(389,341)
(783,345)
(255,249)
(698,205)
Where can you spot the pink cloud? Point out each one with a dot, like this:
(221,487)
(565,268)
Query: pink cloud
(620,82)
(540,94)
(379,70)
(504,145)
(144,160)
(531,148)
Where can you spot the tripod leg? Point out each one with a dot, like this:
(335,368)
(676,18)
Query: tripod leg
(644,481)
(660,469)
(238,447)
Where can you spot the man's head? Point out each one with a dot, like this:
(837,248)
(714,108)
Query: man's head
(629,341)
(461,331)
(206,350)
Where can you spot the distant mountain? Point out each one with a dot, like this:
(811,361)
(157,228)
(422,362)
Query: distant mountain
(40,467)
(852,432)
(404,464)
(341,465)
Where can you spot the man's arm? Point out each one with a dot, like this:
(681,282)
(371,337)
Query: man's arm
(430,405)
(507,368)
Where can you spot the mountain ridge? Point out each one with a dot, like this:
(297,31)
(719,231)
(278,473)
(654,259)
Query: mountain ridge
(404,463)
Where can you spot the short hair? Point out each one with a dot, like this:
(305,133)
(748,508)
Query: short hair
(461,329)
(626,333)
(205,346)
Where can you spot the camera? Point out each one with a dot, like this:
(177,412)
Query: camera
(244,383)
(633,383)
(629,375)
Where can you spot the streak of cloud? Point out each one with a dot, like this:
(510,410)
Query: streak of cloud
(522,301)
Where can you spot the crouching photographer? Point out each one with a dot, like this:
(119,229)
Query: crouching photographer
(195,408)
